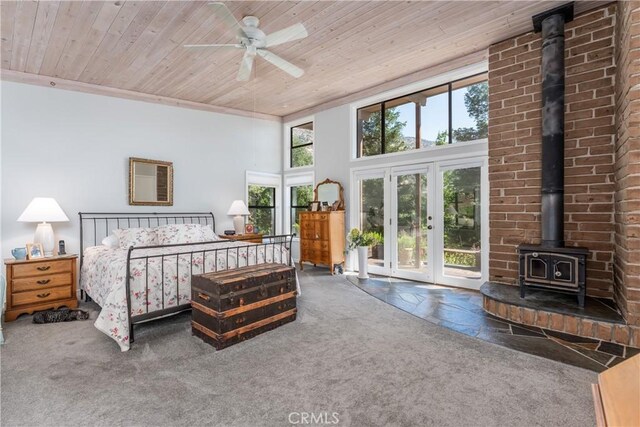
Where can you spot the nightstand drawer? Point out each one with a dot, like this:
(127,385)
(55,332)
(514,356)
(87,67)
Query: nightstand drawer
(41,282)
(41,268)
(44,295)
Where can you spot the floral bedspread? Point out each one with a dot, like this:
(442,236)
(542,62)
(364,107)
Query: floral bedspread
(160,282)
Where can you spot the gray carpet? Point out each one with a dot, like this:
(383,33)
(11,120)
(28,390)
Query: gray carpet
(348,353)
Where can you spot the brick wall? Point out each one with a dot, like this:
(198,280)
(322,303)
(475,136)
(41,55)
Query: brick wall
(627,166)
(515,143)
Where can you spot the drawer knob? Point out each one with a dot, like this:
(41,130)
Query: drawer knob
(43,282)
(203,296)
(44,268)
(43,295)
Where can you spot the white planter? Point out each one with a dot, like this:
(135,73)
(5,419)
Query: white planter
(363,253)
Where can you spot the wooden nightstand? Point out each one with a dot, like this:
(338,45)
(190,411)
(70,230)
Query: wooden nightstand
(40,284)
(247,237)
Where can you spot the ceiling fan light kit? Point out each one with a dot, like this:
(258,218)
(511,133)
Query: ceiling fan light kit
(255,42)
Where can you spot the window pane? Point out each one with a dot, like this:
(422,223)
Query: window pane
(372,214)
(470,109)
(461,192)
(302,156)
(264,219)
(302,134)
(369,130)
(301,196)
(262,208)
(411,222)
(434,116)
(262,196)
(400,125)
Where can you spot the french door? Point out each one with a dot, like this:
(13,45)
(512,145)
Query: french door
(431,218)
(411,222)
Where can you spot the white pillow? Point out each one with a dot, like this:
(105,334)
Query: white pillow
(111,241)
(136,237)
(208,235)
(172,234)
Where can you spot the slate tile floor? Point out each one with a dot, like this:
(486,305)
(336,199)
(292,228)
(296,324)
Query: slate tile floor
(461,310)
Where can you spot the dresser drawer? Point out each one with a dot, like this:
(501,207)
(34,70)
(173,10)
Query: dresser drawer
(41,282)
(41,268)
(41,296)
(320,245)
(309,233)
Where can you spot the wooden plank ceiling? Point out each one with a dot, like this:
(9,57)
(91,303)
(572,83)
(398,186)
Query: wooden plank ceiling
(137,45)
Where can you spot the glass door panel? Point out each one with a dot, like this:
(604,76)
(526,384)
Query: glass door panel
(461,221)
(372,215)
(412,233)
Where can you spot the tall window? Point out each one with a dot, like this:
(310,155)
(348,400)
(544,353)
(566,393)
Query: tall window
(302,145)
(301,196)
(446,114)
(262,207)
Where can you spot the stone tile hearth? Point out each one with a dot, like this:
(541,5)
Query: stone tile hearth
(461,310)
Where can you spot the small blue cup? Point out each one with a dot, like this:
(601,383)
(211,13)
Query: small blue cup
(19,253)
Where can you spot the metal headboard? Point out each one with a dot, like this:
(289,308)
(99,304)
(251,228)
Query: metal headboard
(95,226)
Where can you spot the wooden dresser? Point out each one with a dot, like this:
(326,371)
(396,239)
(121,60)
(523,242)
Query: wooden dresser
(322,238)
(40,284)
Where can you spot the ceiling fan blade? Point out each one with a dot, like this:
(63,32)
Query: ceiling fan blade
(215,45)
(245,66)
(285,66)
(222,11)
(294,32)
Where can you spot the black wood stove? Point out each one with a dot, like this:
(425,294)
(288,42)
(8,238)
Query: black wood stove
(551,264)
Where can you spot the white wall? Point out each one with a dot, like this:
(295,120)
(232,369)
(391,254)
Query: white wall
(332,146)
(75,147)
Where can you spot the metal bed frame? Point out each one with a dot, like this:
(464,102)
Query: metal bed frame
(100,225)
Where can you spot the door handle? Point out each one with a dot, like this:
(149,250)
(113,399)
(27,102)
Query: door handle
(429,218)
(429,227)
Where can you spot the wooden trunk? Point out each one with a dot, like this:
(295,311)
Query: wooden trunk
(234,305)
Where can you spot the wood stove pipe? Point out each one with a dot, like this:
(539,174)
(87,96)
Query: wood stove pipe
(551,23)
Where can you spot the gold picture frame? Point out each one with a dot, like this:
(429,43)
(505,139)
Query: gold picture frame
(35,251)
(150,182)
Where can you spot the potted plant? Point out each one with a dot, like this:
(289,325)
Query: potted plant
(362,241)
(406,248)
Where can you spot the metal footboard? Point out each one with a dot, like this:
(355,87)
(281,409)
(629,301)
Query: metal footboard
(271,245)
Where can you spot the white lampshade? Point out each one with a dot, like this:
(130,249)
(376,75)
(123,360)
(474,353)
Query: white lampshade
(43,209)
(238,208)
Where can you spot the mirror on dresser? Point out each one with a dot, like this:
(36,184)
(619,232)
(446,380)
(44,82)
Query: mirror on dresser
(331,193)
(150,182)
(322,232)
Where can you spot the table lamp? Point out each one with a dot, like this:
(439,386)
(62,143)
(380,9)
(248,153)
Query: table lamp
(238,210)
(44,210)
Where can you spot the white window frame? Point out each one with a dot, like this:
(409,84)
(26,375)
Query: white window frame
(440,79)
(287,144)
(268,180)
(294,180)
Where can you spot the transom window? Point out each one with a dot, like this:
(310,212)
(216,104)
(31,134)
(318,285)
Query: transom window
(302,145)
(446,114)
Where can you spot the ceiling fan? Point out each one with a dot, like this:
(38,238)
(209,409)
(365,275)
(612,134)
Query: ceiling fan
(255,42)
